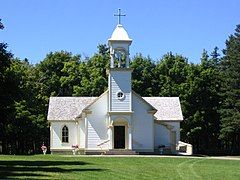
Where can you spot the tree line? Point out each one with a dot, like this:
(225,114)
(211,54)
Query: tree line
(209,92)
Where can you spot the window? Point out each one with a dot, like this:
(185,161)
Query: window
(120,95)
(120,58)
(65,134)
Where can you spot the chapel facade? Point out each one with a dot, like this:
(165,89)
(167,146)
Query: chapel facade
(119,120)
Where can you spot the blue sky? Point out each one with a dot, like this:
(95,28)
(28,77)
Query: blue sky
(33,28)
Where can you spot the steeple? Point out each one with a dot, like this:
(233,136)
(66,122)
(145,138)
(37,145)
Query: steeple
(119,45)
(120,75)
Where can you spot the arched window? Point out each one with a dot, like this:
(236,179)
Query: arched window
(65,134)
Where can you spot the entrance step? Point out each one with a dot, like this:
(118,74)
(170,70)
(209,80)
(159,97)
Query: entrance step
(120,152)
(95,152)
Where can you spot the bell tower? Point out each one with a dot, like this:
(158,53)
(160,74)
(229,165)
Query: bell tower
(119,81)
(120,89)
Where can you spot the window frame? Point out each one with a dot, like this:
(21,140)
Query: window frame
(120,97)
(65,134)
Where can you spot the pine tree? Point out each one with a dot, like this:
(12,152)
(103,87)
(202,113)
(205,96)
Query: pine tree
(230,93)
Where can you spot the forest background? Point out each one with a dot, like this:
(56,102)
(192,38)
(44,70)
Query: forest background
(209,92)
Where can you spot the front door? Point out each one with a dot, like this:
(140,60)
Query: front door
(119,137)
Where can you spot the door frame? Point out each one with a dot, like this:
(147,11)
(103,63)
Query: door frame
(121,122)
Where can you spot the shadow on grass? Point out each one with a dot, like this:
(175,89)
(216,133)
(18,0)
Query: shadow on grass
(16,169)
(40,163)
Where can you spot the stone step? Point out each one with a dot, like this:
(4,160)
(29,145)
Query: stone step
(120,152)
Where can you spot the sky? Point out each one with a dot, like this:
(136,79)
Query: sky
(33,28)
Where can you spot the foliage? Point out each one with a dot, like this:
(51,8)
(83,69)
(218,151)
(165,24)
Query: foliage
(94,77)
(1,24)
(50,71)
(23,131)
(201,125)
(143,75)
(171,73)
(7,89)
(230,93)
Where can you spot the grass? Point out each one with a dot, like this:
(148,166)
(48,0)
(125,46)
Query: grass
(81,167)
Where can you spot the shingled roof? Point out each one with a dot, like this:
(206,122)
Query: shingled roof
(168,108)
(68,108)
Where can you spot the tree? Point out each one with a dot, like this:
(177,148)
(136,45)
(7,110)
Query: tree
(93,74)
(230,93)
(201,124)
(103,50)
(50,73)
(73,71)
(143,80)
(171,74)
(215,57)
(6,88)
(1,24)
(26,128)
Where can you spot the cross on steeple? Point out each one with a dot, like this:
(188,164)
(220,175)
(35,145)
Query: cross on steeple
(119,15)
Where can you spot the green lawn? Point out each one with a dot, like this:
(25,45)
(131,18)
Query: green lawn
(60,167)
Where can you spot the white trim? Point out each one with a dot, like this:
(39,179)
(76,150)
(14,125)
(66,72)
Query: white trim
(156,121)
(153,132)
(130,98)
(86,131)
(110,132)
(129,137)
(109,93)
(78,133)
(51,136)
(120,112)
(120,121)
(72,120)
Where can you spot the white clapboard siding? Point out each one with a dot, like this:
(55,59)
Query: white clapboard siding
(97,123)
(56,128)
(82,131)
(56,141)
(142,126)
(120,81)
(93,138)
(161,135)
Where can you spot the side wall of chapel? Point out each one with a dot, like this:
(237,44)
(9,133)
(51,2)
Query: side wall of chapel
(97,124)
(142,126)
(56,134)
(162,135)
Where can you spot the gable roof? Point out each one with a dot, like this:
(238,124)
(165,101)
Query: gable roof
(67,108)
(168,108)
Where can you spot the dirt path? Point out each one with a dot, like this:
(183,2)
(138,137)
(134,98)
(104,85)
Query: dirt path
(225,157)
